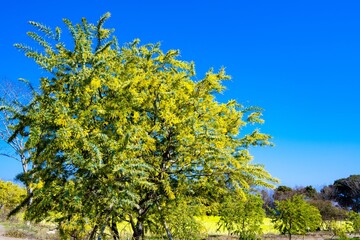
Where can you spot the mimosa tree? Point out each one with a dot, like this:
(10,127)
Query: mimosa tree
(120,133)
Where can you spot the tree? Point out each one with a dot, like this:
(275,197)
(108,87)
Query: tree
(344,191)
(296,216)
(268,201)
(283,193)
(13,100)
(347,192)
(242,217)
(309,192)
(328,211)
(119,133)
(327,193)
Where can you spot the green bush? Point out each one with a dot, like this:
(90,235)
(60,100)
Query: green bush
(354,218)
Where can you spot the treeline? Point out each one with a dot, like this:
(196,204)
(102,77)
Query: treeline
(333,201)
(303,209)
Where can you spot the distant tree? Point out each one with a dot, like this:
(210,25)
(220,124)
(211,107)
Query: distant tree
(347,192)
(268,201)
(13,101)
(283,193)
(296,216)
(242,217)
(309,192)
(327,193)
(119,133)
(328,211)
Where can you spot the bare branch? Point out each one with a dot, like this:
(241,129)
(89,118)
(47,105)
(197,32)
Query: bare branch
(9,156)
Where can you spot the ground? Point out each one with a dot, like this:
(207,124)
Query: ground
(2,232)
(313,236)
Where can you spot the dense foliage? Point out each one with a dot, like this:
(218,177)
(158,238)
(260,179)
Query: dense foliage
(123,133)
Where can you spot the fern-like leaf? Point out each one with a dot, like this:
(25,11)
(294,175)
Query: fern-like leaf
(39,40)
(44,29)
(99,28)
(71,27)
(102,20)
(57,33)
(24,48)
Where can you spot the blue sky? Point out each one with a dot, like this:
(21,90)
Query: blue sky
(299,60)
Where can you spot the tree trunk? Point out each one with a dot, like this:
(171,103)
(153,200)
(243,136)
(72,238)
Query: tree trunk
(29,192)
(114,230)
(168,233)
(93,233)
(290,228)
(138,230)
(101,232)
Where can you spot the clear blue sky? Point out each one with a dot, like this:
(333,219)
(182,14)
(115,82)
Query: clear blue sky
(299,60)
